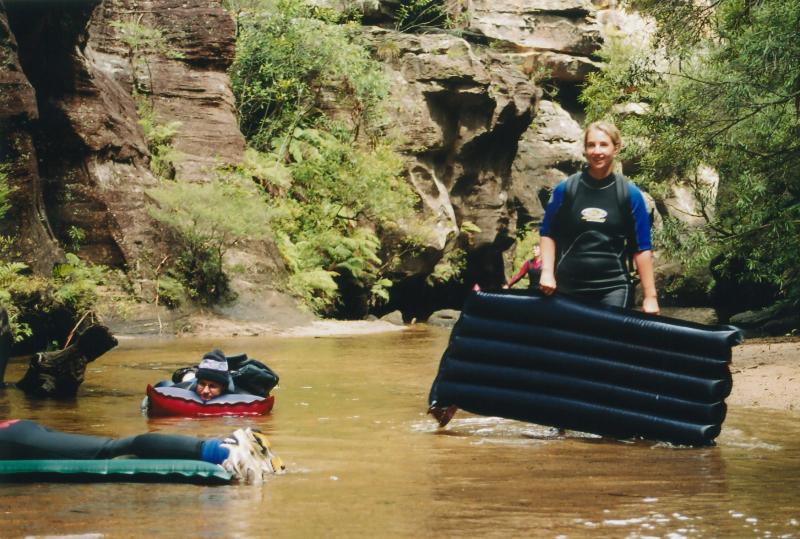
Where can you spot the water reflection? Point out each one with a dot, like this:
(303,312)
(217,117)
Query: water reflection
(363,459)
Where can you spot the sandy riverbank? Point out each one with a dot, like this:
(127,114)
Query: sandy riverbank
(199,325)
(766,374)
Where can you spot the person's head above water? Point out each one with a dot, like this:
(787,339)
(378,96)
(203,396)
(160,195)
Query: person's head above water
(212,375)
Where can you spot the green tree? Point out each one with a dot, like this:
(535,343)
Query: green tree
(721,81)
(285,60)
(341,196)
(159,138)
(207,220)
(333,190)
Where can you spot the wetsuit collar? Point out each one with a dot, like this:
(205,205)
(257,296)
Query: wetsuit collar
(595,183)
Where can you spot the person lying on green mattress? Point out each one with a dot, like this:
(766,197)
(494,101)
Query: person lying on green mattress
(246,453)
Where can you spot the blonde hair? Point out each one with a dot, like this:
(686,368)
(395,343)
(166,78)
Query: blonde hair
(606,127)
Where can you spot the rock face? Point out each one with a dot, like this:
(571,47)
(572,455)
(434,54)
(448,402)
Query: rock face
(74,150)
(481,146)
(81,131)
(18,112)
(187,84)
(484,143)
(459,117)
(78,155)
(550,150)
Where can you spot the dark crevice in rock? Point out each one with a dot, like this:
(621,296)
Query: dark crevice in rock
(47,36)
(69,194)
(453,109)
(354,304)
(417,300)
(567,95)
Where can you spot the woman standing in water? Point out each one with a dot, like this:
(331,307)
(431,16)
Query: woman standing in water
(591,222)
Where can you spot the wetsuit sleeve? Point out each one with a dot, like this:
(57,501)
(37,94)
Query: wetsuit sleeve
(641,220)
(556,200)
(522,271)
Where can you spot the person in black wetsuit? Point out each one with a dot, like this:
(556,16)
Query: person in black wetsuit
(209,379)
(246,453)
(212,378)
(584,241)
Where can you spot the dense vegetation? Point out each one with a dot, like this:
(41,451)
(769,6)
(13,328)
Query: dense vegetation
(309,98)
(70,290)
(721,84)
(204,221)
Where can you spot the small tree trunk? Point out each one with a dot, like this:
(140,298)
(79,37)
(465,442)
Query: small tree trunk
(6,341)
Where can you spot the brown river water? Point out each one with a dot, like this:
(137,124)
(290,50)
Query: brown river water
(363,459)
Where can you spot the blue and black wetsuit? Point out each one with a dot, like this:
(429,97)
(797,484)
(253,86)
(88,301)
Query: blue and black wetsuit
(592,235)
(23,439)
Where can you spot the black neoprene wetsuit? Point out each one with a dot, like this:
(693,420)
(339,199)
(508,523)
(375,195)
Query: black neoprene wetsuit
(23,439)
(591,234)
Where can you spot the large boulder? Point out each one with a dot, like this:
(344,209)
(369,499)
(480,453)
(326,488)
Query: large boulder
(552,38)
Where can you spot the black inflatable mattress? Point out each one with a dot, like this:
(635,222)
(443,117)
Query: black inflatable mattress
(564,363)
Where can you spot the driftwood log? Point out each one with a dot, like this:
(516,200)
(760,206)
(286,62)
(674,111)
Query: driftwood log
(60,373)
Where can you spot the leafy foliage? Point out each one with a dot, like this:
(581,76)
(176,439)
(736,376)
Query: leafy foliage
(285,59)
(5,191)
(452,265)
(334,191)
(141,41)
(171,291)
(726,94)
(159,138)
(416,14)
(76,238)
(13,285)
(449,268)
(340,194)
(76,283)
(72,287)
(206,220)
(10,272)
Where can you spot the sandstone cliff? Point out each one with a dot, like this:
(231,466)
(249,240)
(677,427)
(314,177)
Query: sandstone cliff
(484,144)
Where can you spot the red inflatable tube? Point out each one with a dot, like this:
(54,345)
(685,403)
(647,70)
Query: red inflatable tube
(175,401)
